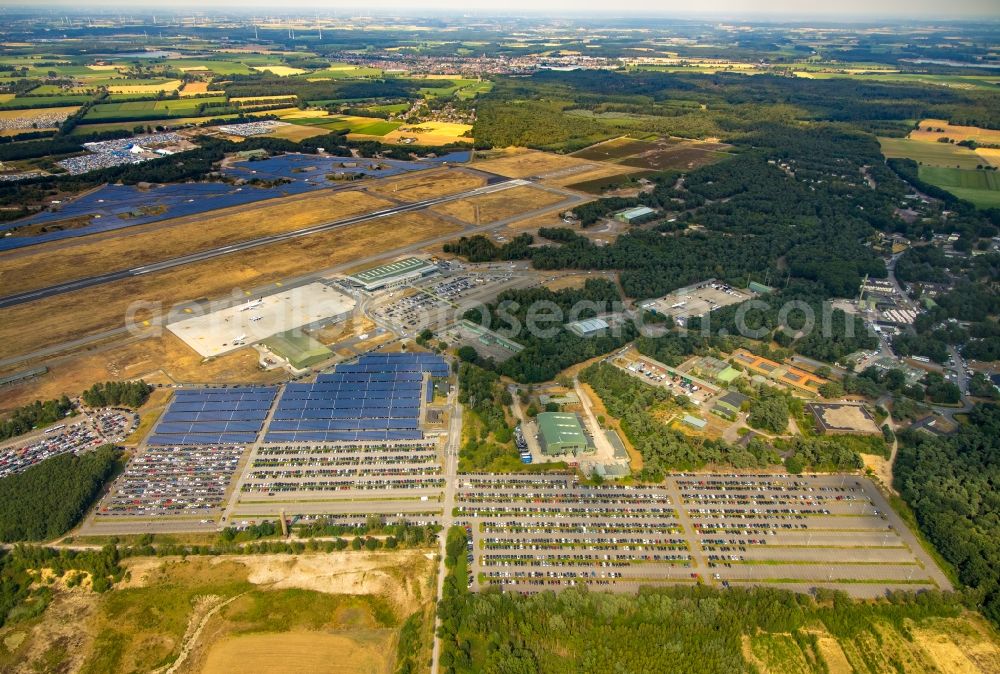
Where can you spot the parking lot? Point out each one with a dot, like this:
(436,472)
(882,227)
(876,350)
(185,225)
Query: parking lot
(439,302)
(696,300)
(77,434)
(173,481)
(535,533)
(304,480)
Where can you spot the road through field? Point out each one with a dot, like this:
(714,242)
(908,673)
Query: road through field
(79,284)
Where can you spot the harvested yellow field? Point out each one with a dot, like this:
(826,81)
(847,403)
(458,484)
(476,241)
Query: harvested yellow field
(427,184)
(990,154)
(164,359)
(431,133)
(522,163)
(15,132)
(281,71)
(306,651)
(295,113)
(499,205)
(103,68)
(6,97)
(28,115)
(172,85)
(198,89)
(48,264)
(297,132)
(55,320)
(247,99)
(928,131)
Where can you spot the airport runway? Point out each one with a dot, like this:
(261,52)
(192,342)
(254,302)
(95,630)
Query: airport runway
(79,284)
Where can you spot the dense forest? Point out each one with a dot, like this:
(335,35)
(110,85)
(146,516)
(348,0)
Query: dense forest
(50,498)
(549,346)
(793,205)
(953,486)
(569,110)
(659,630)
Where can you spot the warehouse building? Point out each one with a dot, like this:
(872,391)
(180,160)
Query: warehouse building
(393,274)
(588,328)
(635,216)
(560,433)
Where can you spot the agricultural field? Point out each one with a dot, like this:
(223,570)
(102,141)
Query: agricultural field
(197,89)
(26,102)
(982,188)
(142,110)
(990,154)
(952,167)
(298,132)
(73,315)
(142,87)
(278,614)
(342,71)
(166,122)
(984,82)
(930,130)
(217,66)
(281,71)
(931,153)
(427,133)
(367,126)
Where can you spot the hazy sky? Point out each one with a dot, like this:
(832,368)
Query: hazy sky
(845,9)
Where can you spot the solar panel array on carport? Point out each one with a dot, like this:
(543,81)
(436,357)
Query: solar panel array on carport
(377,398)
(214,416)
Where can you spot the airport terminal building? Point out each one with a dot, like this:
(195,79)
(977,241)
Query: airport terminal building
(393,274)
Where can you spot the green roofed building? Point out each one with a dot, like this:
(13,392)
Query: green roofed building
(635,215)
(393,273)
(560,433)
(299,349)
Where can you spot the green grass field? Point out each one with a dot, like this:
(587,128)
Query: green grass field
(31,101)
(474,89)
(217,66)
(988,82)
(369,126)
(390,108)
(982,188)
(183,107)
(341,73)
(944,155)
